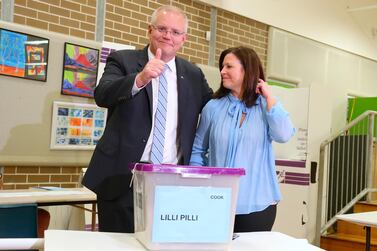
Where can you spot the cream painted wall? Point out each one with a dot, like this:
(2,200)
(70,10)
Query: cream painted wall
(331,74)
(321,20)
(308,62)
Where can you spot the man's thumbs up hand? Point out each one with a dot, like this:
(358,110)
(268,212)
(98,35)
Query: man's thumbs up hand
(151,70)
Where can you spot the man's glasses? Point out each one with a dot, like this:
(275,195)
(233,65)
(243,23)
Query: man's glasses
(164,30)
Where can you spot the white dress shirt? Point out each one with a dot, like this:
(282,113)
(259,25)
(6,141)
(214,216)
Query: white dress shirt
(171,148)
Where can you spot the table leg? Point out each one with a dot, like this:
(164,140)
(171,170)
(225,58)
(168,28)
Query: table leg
(93,216)
(367,238)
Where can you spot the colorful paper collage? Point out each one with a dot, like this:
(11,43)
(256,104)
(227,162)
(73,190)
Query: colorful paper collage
(23,55)
(79,70)
(77,126)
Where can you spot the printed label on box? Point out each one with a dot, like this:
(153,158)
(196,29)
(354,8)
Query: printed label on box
(191,214)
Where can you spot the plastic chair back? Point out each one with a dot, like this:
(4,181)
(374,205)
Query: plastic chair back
(18,221)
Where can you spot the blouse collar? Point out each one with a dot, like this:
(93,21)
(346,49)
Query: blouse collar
(236,105)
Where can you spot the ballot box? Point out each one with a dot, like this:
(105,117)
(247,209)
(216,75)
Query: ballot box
(185,207)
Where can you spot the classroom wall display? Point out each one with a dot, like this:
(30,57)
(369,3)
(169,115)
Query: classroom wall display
(80,68)
(76,126)
(23,55)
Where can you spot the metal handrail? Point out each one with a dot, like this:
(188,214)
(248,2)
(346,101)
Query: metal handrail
(347,127)
(342,175)
(344,209)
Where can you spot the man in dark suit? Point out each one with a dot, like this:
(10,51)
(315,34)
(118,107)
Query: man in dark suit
(129,89)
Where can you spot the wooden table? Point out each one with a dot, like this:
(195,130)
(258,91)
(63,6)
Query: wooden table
(367,219)
(49,196)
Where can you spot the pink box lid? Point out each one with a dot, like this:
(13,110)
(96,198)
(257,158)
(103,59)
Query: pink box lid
(169,168)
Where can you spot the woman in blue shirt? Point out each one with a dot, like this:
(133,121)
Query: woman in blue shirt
(237,128)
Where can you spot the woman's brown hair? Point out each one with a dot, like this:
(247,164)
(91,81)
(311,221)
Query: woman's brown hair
(253,72)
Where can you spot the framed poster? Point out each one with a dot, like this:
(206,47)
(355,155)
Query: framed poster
(76,126)
(23,55)
(80,68)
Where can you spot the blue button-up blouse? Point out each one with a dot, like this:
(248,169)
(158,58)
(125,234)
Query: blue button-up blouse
(222,142)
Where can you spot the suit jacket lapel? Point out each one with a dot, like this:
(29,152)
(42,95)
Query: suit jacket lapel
(142,61)
(183,90)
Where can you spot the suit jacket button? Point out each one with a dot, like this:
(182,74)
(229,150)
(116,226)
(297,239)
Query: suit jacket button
(144,140)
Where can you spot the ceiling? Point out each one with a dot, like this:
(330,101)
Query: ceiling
(364,13)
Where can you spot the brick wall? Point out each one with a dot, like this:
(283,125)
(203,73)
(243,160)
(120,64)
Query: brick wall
(23,177)
(126,22)
(236,30)
(75,18)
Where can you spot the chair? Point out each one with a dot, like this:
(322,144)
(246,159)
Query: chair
(43,221)
(18,221)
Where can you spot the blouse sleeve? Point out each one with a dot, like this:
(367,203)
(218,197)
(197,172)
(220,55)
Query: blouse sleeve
(199,154)
(280,127)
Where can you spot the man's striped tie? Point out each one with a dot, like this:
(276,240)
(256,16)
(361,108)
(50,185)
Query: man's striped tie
(157,152)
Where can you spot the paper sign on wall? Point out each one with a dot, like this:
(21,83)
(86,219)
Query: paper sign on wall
(191,214)
(296,103)
(107,48)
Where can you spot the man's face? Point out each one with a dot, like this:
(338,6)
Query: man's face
(167,34)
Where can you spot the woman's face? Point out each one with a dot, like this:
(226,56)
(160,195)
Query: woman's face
(232,74)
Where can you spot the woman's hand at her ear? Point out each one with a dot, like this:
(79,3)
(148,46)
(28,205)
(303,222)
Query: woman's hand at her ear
(264,90)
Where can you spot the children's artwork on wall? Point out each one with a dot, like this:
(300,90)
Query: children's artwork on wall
(23,55)
(76,126)
(79,70)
